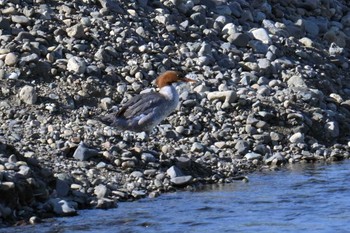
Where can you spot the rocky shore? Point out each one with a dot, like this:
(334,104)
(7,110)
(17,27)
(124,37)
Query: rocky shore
(273,88)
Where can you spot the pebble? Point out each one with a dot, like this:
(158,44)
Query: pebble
(28,95)
(76,31)
(76,65)
(11,59)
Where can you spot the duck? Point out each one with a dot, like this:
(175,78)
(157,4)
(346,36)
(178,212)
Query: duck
(145,111)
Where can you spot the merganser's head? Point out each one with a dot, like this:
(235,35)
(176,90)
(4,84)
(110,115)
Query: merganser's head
(169,77)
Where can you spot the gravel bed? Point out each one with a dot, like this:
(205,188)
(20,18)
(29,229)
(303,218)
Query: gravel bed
(273,87)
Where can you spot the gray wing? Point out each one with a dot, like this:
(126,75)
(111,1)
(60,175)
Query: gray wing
(142,104)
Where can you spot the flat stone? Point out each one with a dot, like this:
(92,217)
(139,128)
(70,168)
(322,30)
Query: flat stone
(21,19)
(252,156)
(147,157)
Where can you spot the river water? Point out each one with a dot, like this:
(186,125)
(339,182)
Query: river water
(298,198)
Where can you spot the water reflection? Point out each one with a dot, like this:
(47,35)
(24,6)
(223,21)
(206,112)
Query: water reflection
(309,197)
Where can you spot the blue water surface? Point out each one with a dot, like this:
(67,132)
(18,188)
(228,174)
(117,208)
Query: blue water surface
(297,198)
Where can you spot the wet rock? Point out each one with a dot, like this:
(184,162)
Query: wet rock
(181,180)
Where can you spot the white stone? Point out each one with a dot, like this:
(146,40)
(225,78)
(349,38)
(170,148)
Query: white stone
(297,138)
(28,95)
(262,35)
(76,65)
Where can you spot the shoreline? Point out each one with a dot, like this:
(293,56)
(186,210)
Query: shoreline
(273,88)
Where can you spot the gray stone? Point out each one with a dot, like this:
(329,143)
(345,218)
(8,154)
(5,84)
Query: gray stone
(63,184)
(198,18)
(242,147)
(76,65)
(25,171)
(173,172)
(28,95)
(106,103)
(311,27)
(138,193)
(275,159)
(148,158)
(30,58)
(296,81)
(21,19)
(181,180)
(76,31)
(197,147)
(136,174)
(239,39)
(84,153)
(111,5)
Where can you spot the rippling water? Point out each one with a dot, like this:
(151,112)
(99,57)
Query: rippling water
(308,198)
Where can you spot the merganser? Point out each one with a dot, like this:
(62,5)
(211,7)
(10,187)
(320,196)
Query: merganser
(145,111)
